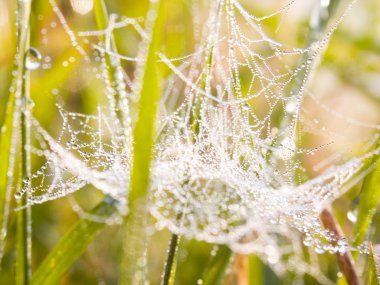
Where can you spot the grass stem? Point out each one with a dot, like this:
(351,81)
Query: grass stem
(171,261)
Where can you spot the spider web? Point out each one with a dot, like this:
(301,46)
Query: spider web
(227,166)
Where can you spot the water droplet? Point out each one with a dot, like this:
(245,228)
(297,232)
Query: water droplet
(319,250)
(26,104)
(32,59)
(286,149)
(200,282)
(308,241)
(291,107)
(26,181)
(352,216)
(273,221)
(246,107)
(18,195)
(82,6)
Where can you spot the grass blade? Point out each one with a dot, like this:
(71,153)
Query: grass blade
(23,240)
(5,154)
(132,272)
(101,14)
(112,63)
(255,270)
(171,261)
(216,269)
(72,246)
(373,278)
(369,198)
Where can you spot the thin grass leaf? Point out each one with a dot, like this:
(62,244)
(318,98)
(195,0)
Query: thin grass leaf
(23,241)
(132,272)
(255,270)
(216,269)
(144,130)
(369,198)
(72,246)
(101,14)
(113,64)
(5,154)
(373,278)
(171,261)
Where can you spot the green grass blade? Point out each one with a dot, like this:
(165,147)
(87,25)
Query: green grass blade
(72,246)
(112,64)
(255,270)
(171,261)
(23,240)
(369,198)
(144,130)
(101,14)
(5,154)
(216,269)
(132,272)
(373,278)
(143,134)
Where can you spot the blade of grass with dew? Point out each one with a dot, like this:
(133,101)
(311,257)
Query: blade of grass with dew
(216,270)
(217,267)
(373,278)
(113,65)
(76,241)
(168,277)
(23,246)
(171,259)
(133,261)
(72,246)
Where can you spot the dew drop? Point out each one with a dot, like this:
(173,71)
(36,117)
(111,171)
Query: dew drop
(27,104)
(246,107)
(32,59)
(352,216)
(319,250)
(82,6)
(308,241)
(291,107)
(18,195)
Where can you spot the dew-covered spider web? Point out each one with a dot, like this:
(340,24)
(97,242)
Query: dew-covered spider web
(229,156)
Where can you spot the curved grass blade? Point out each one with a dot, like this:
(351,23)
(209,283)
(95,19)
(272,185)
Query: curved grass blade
(373,278)
(216,269)
(72,246)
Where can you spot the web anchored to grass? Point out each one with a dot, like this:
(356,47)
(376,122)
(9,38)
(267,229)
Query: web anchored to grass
(228,162)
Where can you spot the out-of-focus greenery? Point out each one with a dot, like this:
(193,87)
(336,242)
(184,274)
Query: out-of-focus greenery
(353,58)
